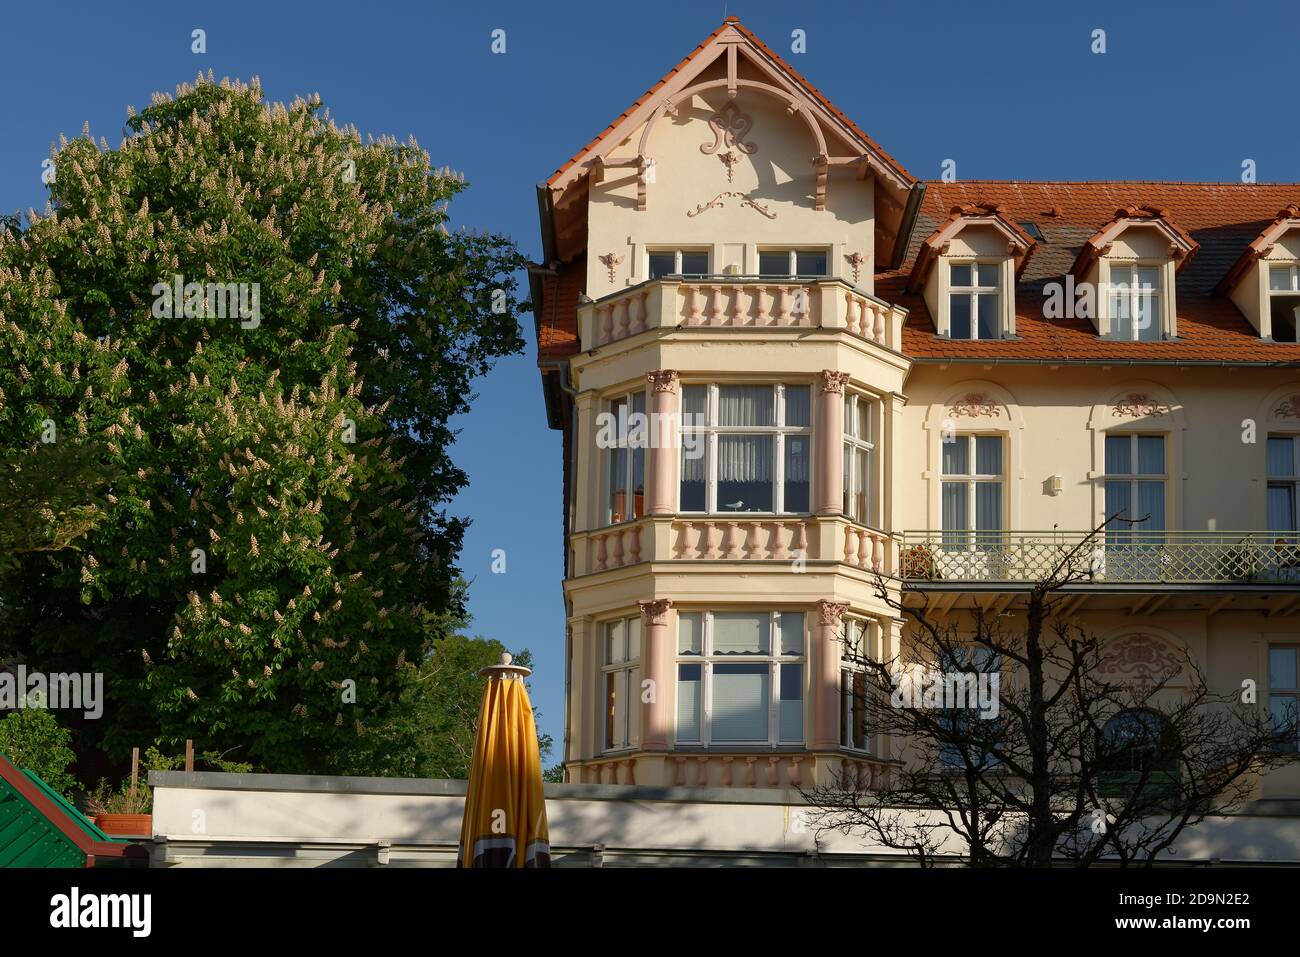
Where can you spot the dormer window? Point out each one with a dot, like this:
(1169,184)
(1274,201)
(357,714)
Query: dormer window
(967,270)
(1284,301)
(973,300)
(1135,313)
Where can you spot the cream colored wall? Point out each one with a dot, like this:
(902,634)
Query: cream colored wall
(778,175)
(1055,420)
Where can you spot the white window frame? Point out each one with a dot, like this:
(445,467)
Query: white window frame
(793,261)
(849,667)
(626,673)
(854,482)
(971,479)
(626,447)
(1133,478)
(706,659)
(974,291)
(1292,480)
(677,258)
(1293,269)
(1128,271)
(711,430)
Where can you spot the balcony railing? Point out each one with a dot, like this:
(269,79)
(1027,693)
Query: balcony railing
(752,302)
(1123,557)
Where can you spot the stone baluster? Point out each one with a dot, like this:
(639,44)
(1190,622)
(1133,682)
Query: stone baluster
(616,552)
(751,778)
(864,544)
(715,306)
(853,314)
(633,544)
(709,549)
(753,531)
(727,779)
(877,552)
(620,318)
(604,325)
(782,305)
(761,318)
(800,543)
(601,557)
(850,544)
(730,542)
(701,771)
(773,771)
(695,305)
(796,772)
(776,547)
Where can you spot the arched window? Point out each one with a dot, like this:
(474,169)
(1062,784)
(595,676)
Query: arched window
(1138,749)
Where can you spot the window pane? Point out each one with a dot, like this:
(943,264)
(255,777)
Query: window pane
(617,485)
(1282,669)
(695,264)
(746,405)
(689,700)
(1281,455)
(810,263)
(988,506)
(615,648)
(987,303)
(662,264)
(690,633)
(1151,455)
(961,274)
(988,455)
(740,703)
(741,633)
(848,481)
(745,473)
(1282,711)
(1147,320)
(1119,455)
(864,418)
(693,489)
(987,274)
(798,461)
(798,407)
(611,709)
(1118,502)
(959,316)
(1148,278)
(790,717)
(954,507)
(1151,506)
(848,413)
(862,489)
(774,264)
(1279,277)
(636,507)
(853,709)
(695,403)
(791,624)
(956,456)
(1281,508)
(633,638)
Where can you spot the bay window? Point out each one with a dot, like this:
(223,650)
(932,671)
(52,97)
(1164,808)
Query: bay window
(859,457)
(620,677)
(740,678)
(625,460)
(746,448)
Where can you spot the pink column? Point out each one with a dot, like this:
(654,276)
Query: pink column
(656,665)
(826,676)
(830,444)
(662,456)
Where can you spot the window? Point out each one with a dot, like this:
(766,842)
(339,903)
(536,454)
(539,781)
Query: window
(1135,302)
(972,491)
(855,635)
(740,678)
(756,442)
(1283,476)
(1284,693)
(859,457)
(625,461)
(620,673)
(1137,751)
(1135,486)
(971,734)
(973,300)
(1284,301)
(792,262)
(677,262)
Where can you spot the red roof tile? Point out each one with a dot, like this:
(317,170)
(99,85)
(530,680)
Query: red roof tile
(557,322)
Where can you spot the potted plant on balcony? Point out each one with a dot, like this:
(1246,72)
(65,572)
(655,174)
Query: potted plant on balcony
(124,812)
(917,561)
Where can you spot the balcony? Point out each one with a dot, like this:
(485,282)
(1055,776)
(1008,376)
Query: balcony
(740,302)
(1119,558)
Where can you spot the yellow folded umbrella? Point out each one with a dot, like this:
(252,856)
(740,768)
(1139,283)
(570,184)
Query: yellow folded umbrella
(505,812)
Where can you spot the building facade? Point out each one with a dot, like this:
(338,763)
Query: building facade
(782,364)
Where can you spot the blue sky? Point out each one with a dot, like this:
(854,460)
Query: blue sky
(1008,90)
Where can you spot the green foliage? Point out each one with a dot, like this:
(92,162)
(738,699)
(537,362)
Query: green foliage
(431,734)
(322,555)
(33,740)
(554,774)
(51,498)
(103,798)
